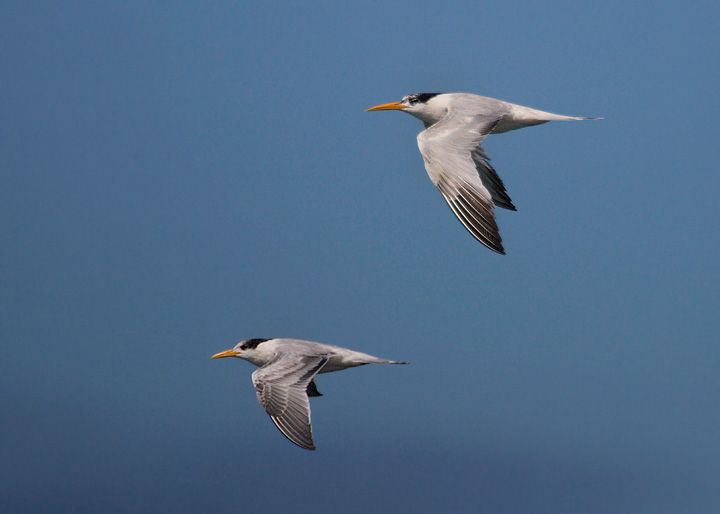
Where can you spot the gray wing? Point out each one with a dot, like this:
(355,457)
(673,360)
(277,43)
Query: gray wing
(459,167)
(281,388)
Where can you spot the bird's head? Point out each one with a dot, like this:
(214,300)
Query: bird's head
(420,105)
(243,350)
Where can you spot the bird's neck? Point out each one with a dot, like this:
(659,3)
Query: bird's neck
(428,118)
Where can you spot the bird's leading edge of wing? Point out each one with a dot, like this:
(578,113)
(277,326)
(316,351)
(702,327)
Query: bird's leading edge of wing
(281,388)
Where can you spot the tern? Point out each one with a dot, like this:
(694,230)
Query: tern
(455,125)
(286,378)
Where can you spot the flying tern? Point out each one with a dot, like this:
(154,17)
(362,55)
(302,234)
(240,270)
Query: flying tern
(286,378)
(455,126)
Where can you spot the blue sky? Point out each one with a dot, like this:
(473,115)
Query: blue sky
(178,177)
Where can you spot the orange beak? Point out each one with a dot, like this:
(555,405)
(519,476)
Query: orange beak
(226,353)
(387,107)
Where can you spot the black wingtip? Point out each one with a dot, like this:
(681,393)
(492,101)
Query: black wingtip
(312,391)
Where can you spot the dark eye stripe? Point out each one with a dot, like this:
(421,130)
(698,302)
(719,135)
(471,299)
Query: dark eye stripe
(251,344)
(419,98)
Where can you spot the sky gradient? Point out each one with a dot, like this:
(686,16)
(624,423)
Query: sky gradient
(178,177)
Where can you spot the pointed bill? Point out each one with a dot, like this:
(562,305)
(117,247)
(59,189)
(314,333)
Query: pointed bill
(387,107)
(226,353)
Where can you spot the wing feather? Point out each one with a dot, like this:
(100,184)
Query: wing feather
(458,166)
(281,388)
(476,217)
(491,180)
